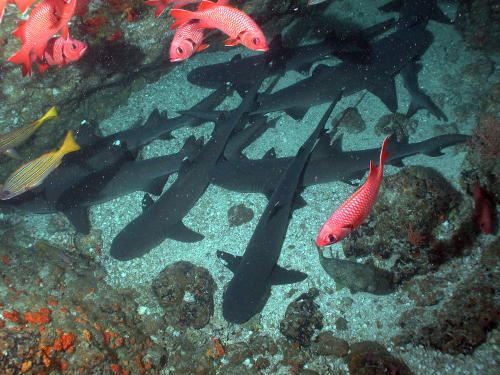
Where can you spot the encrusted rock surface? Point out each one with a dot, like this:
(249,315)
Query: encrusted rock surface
(186,293)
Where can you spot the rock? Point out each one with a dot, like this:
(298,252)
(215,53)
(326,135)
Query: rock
(371,358)
(186,293)
(302,318)
(341,324)
(327,344)
(411,205)
(239,215)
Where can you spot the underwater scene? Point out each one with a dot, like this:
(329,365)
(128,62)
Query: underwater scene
(249,187)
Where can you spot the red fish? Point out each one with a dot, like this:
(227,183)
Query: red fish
(60,52)
(187,40)
(483,210)
(162,4)
(355,209)
(233,22)
(47,19)
(22,5)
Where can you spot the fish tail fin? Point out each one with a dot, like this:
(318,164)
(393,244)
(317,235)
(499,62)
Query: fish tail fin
(51,113)
(69,144)
(181,16)
(2,10)
(22,57)
(384,154)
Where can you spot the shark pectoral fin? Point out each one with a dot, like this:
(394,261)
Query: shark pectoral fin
(433,153)
(156,185)
(231,261)
(270,154)
(420,100)
(282,276)
(438,16)
(304,69)
(79,218)
(385,90)
(180,232)
(299,202)
(297,113)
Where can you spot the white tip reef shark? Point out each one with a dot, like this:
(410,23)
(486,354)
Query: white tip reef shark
(105,167)
(390,55)
(163,218)
(257,270)
(327,163)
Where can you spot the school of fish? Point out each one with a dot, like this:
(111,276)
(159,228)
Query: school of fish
(40,33)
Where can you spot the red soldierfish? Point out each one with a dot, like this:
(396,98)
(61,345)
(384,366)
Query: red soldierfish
(233,22)
(60,52)
(483,210)
(162,4)
(32,173)
(48,18)
(188,39)
(355,209)
(22,5)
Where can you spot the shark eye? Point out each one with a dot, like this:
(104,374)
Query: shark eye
(180,50)
(332,238)
(256,41)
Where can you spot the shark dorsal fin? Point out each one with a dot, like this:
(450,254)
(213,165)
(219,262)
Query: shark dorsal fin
(270,154)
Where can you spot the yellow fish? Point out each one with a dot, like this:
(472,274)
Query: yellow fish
(13,139)
(31,174)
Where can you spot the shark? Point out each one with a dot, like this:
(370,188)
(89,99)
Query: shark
(85,180)
(106,166)
(163,218)
(157,126)
(416,12)
(256,270)
(327,163)
(390,55)
(242,72)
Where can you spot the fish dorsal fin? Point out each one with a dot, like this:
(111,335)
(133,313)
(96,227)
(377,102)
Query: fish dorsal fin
(206,5)
(270,154)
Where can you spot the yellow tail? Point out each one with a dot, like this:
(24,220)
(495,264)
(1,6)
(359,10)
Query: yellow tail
(51,113)
(69,144)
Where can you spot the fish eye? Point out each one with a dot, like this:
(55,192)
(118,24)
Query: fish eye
(332,238)
(180,50)
(73,46)
(256,41)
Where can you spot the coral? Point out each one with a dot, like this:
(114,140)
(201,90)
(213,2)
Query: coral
(56,316)
(185,292)
(410,206)
(371,358)
(486,140)
(302,318)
